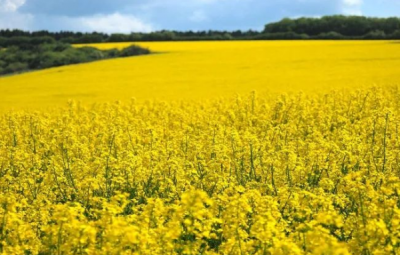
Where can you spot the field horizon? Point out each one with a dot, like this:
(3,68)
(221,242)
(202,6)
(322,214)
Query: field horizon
(194,70)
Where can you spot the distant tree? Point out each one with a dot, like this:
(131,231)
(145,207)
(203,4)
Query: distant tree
(282,36)
(16,59)
(68,40)
(3,42)
(391,25)
(395,35)
(348,26)
(90,38)
(133,37)
(330,36)
(159,36)
(118,38)
(377,34)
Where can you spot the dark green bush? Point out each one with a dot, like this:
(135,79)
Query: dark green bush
(16,67)
(377,34)
(282,36)
(23,57)
(92,53)
(113,53)
(395,35)
(3,42)
(330,36)
(118,38)
(133,50)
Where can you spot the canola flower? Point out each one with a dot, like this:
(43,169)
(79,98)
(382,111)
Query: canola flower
(197,70)
(294,174)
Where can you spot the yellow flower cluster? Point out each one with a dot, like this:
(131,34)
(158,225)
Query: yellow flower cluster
(294,174)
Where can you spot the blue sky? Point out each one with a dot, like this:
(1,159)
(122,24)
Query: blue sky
(148,15)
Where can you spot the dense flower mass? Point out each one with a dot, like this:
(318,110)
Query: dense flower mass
(180,71)
(294,174)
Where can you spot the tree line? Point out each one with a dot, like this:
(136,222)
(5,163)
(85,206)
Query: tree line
(357,27)
(328,27)
(27,57)
(12,37)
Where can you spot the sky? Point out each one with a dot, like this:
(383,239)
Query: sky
(125,16)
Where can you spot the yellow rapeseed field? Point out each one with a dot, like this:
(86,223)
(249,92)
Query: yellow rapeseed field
(308,163)
(197,70)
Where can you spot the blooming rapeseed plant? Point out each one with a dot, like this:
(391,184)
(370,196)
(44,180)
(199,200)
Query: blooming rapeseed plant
(294,174)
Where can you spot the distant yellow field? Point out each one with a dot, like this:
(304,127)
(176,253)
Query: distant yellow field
(198,70)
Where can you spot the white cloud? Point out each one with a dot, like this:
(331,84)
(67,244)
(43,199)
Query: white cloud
(353,12)
(352,2)
(352,7)
(198,16)
(16,20)
(112,23)
(10,18)
(10,5)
